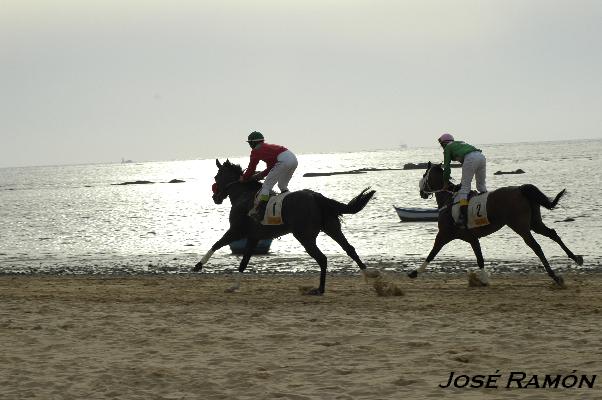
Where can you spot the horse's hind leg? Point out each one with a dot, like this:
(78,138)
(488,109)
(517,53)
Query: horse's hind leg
(332,228)
(532,243)
(539,227)
(309,243)
(476,248)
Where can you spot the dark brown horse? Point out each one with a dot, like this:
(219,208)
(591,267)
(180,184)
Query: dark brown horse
(305,213)
(515,206)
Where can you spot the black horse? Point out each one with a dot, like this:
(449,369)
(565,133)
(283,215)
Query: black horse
(515,206)
(305,213)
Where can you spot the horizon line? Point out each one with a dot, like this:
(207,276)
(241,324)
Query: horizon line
(397,148)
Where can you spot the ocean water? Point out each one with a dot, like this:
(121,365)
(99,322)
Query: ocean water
(74,219)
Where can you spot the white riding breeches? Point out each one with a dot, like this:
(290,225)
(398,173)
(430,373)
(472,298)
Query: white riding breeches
(282,172)
(475,165)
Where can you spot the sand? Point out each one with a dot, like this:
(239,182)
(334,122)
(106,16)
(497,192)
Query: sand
(182,337)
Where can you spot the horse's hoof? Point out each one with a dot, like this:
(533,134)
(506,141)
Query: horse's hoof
(560,282)
(413,274)
(371,273)
(483,277)
(476,279)
(312,292)
(386,289)
(198,266)
(579,260)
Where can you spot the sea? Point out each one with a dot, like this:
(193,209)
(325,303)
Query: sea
(78,219)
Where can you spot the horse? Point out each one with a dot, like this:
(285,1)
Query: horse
(518,207)
(305,213)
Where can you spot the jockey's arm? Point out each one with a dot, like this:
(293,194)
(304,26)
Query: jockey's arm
(257,176)
(250,169)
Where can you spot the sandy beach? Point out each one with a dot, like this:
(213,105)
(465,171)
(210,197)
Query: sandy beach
(182,337)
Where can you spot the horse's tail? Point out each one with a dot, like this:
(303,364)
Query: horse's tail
(535,195)
(337,208)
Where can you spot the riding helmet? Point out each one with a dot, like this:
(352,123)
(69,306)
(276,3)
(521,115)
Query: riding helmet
(255,137)
(446,138)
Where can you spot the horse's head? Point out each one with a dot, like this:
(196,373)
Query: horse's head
(227,175)
(432,180)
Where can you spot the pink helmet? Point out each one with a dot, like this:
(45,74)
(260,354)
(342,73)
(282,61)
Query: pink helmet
(446,138)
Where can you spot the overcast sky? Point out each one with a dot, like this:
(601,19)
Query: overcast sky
(94,81)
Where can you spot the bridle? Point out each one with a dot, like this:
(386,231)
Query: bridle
(426,187)
(224,191)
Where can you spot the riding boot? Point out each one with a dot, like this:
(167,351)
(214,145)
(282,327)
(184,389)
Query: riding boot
(258,212)
(463,219)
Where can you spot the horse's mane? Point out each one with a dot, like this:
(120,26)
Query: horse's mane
(234,167)
(439,167)
(237,169)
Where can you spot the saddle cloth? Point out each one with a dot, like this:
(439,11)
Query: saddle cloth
(477,211)
(273,210)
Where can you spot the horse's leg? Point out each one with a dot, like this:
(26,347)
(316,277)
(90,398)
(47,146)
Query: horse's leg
(309,243)
(476,248)
(440,241)
(532,243)
(230,236)
(332,228)
(250,246)
(539,227)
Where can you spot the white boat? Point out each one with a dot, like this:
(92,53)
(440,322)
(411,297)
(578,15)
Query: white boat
(417,214)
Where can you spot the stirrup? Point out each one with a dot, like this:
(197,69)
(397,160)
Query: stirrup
(258,213)
(255,216)
(253,212)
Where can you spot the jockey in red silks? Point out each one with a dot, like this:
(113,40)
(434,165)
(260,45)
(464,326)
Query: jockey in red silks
(281,164)
(473,163)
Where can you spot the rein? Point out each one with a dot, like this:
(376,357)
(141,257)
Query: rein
(225,190)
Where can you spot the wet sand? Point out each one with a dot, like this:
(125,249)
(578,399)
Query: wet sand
(182,337)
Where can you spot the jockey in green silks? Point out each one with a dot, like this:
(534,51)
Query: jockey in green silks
(474,164)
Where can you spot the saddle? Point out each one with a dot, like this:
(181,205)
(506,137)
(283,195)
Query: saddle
(273,210)
(477,210)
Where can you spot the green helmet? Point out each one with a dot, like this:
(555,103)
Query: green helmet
(255,137)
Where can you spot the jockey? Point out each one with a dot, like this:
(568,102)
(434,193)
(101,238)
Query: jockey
(473,164)
(281,163)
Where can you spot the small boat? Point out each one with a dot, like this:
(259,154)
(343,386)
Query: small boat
(417,214)
(263,247)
